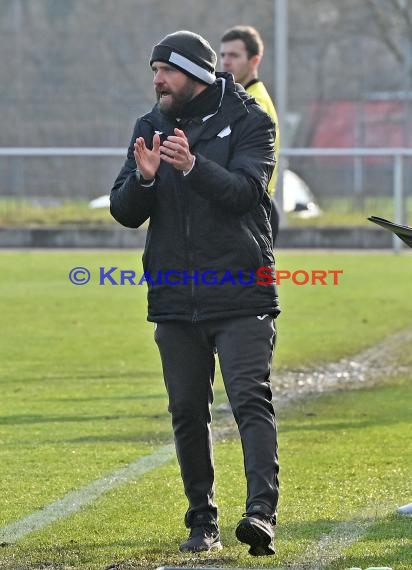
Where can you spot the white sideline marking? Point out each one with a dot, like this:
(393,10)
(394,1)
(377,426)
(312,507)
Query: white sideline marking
(330,546)
(74,501)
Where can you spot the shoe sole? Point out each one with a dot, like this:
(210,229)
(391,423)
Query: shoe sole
(261,544)
(214,546)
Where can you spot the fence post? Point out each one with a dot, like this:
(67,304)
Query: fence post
(397,197)
(358,182)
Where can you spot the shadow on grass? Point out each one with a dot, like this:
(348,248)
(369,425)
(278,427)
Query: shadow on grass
(391,560)
(25,419)
(305,530)
(144,553)
(337,426)
(138,556)
(151,437)
(392,557)
(126,397)
(393,528)
(115,375)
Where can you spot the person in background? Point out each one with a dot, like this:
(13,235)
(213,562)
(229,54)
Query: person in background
(241,51)
(197,167)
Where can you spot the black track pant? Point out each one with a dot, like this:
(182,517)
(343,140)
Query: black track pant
(245,347)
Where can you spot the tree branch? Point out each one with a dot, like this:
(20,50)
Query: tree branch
(406,15)
(383,27)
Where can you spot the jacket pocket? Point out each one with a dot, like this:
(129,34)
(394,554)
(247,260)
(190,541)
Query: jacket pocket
(253,249)
(147,253)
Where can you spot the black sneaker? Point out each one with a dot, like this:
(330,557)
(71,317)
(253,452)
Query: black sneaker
(256,530)
(204,535)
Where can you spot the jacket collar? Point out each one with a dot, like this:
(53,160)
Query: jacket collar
(233,105)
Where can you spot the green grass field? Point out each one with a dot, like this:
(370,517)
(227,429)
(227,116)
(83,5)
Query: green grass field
(336,211)
(82,396)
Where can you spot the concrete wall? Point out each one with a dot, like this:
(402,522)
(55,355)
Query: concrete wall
(336,238)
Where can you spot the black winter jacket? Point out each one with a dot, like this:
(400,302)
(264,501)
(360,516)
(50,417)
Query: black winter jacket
(212,224)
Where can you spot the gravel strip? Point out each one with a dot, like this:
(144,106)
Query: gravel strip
(363,369)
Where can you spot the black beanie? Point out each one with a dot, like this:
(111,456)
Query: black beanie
(188,52)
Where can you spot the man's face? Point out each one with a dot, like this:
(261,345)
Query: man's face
(173,88)
(234,59)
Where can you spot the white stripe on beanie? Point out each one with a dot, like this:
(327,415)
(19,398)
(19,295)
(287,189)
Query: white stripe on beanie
(191,67)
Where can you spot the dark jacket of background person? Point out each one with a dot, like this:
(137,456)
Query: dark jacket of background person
(213,219)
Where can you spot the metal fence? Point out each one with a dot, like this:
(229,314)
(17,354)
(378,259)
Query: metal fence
(397,156)
(83,173)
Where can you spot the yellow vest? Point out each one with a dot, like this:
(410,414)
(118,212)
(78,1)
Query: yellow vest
(259,92)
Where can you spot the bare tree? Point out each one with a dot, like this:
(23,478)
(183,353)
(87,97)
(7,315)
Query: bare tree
(393,27)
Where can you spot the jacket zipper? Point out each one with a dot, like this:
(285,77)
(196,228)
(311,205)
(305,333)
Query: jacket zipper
(190,257)
(191,270)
